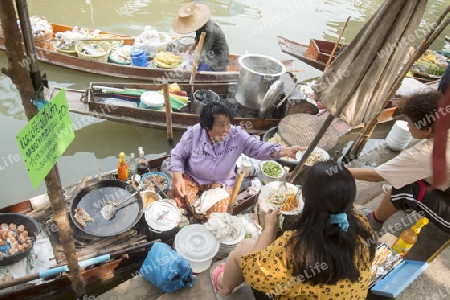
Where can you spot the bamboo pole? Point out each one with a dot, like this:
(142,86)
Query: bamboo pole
(30,88)
(337,44)
(367,131)
(299,167)
(168,114)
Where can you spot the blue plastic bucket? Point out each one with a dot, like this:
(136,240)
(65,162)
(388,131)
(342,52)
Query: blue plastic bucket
(138,58)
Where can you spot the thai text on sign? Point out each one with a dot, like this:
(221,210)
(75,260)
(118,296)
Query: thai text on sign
(45,138)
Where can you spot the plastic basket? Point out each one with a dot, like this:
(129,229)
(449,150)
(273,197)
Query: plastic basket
(68,52)
(98,58)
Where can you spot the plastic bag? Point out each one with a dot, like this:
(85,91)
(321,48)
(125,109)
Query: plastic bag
(166,269)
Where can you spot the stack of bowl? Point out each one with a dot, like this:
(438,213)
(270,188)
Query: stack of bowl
(151,100)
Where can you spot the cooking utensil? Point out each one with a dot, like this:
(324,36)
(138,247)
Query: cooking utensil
(158,188)
(108,211)
(94,196)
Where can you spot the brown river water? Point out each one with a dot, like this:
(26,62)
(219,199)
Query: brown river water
(250,26)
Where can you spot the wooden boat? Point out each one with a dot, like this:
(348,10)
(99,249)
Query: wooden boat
(99,277)
(316,54)
(91,102)
(156,75)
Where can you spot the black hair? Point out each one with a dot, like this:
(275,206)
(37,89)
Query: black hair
(210,110)
(329,188)
(422,108)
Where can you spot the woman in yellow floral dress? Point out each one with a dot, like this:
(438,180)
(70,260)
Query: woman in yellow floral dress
(326,257)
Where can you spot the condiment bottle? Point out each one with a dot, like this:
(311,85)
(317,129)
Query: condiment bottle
(142,163)
(408,237)
(122,168)
(131,166)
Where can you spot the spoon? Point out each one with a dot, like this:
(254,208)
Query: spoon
(108,211)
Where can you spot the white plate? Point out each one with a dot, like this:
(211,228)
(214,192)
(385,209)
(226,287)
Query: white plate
(317,151)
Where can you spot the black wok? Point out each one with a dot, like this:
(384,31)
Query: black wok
(30,224)
(93,197)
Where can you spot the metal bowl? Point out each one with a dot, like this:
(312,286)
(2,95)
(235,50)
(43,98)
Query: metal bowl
(33,231)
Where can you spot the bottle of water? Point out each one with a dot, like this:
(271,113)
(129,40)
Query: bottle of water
(131,166)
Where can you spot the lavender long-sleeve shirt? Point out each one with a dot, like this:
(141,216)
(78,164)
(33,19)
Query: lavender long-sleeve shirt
(206,163)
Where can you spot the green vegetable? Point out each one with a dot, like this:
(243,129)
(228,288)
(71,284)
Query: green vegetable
(272,169)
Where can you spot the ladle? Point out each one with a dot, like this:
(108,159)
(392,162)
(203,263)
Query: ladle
(108,211)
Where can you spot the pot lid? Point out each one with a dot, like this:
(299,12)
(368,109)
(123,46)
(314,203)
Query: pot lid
(196,243)
(162,216)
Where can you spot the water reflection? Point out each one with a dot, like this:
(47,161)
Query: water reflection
(10,104)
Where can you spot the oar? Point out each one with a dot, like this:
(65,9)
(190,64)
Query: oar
(83,264)
(168,114)
(128,38)
(194,65)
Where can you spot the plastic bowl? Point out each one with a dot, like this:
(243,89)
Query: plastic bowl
(267,178)
(151,100)
(167,185)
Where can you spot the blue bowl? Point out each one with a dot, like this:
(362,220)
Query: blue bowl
(144,176)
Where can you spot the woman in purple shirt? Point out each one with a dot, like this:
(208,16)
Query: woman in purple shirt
(206,155)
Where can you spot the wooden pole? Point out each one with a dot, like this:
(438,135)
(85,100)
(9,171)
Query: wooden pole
(367,131)
(30,88)
(194,66)
(337,44)
(236,188)
(168,114)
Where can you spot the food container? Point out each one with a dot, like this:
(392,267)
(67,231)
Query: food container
(163,219)
(227,244)
(203,97)
(29,224)
(151,100)
(263,205)
(198,245)
(183,43)
(317,155)
(266,178)
(160,179)
(257,74)
(148,197)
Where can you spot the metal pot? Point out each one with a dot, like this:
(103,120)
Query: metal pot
(93,197)
(182,44)
(163,219)
(256,75)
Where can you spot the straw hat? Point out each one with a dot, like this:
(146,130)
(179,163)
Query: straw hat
(191,17)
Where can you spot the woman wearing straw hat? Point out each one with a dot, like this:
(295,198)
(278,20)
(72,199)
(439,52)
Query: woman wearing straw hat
(215,54)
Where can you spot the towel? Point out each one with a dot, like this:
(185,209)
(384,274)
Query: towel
(210,197)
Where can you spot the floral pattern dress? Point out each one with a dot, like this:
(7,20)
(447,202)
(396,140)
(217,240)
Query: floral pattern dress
(266,271)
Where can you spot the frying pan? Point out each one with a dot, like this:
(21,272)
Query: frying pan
(93,197)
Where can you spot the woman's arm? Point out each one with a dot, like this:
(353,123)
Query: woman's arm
(269,234)
(288,152)
(366,174)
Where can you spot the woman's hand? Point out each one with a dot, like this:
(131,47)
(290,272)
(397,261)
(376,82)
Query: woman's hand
(291,151)
(178,184)
(271,220)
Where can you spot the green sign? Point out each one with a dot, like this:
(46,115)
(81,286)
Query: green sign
(45,138)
